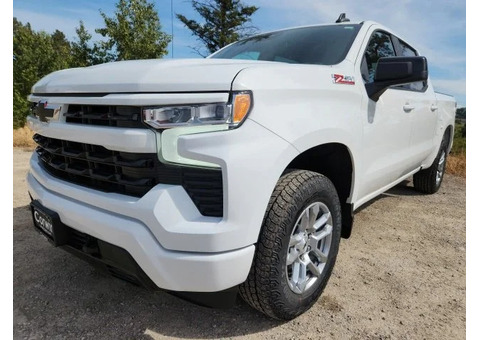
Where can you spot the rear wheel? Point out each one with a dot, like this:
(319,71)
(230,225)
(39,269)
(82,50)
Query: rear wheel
(297,246)
(429,180)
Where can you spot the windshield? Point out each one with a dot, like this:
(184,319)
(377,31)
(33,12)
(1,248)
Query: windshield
(320,45)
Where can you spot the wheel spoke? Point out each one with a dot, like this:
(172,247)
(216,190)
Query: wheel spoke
(322,257)
(302,278)
(321,221)
(314,210)
(292,256)
(442,159)
(318,236)
(295,272)
(303,225)
(313,268)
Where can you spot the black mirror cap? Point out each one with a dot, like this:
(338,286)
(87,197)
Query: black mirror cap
(408,69)
(393,71)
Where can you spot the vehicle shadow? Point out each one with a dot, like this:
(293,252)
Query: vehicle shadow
(404,188)
(52,288)
(205,323)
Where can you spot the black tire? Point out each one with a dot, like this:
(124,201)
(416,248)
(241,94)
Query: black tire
(426,180)
(266,288)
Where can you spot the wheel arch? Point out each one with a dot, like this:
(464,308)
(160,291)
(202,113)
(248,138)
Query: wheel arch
(335,161)
(449,131)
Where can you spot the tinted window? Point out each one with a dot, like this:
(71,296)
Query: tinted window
(407,51)
(322,45)
(247,55)
(379,46)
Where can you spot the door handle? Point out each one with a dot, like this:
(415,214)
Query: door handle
(433,108)
(408,107)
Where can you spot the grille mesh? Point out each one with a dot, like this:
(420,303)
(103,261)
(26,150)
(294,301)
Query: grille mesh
(104,115)
(126,173)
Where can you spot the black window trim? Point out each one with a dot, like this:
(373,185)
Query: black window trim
(396,42)
(370,38)
(396,48)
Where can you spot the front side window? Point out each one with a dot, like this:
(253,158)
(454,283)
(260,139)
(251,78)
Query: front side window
(318,45)
(379,46)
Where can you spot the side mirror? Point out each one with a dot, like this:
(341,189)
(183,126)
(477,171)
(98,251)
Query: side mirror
(393,71)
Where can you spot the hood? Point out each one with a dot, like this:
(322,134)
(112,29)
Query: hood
(156,75)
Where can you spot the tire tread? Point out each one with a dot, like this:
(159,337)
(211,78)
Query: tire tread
(259,288)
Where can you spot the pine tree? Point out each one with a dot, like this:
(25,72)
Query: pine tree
(225,22)
(133,33)
(82,52)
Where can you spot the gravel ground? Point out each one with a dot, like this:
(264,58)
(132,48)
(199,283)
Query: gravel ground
(400,276)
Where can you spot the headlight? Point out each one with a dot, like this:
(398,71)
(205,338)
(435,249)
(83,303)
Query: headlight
(232,113)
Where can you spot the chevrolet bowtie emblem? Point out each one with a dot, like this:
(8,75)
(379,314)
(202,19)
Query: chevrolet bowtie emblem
(45,111)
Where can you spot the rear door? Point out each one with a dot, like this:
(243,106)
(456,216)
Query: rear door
(423,114)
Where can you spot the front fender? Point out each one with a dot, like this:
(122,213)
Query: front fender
(252,159)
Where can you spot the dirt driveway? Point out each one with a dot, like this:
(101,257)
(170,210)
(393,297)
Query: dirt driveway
(400,276)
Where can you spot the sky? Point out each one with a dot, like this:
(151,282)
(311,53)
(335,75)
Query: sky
(436,27)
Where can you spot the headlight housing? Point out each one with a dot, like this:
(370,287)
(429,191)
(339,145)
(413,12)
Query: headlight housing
(232,113)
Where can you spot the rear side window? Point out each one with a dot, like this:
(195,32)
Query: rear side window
(406,51)
(379,46)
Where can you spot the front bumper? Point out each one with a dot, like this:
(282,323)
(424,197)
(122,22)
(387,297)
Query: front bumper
(177,247)
(171,270)
(118,262)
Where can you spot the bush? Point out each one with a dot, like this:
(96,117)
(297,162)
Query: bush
(459,140)
(457,160)
(22,137)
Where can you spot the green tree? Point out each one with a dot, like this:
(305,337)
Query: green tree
(225,22)
(35,54)
(61,46)
(82,53)
(23,70)
(134,32)
(461,113)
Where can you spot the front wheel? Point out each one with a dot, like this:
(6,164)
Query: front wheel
(297,246)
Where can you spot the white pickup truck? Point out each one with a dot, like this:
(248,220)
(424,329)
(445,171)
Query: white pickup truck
(238,172)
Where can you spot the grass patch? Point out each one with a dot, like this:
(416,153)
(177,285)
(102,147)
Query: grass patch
(457,165)
(22,137)
(457,160)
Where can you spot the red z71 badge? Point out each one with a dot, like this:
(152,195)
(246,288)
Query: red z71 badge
(341,79)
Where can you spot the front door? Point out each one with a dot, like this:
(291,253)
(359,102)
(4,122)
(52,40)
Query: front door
(386,125)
